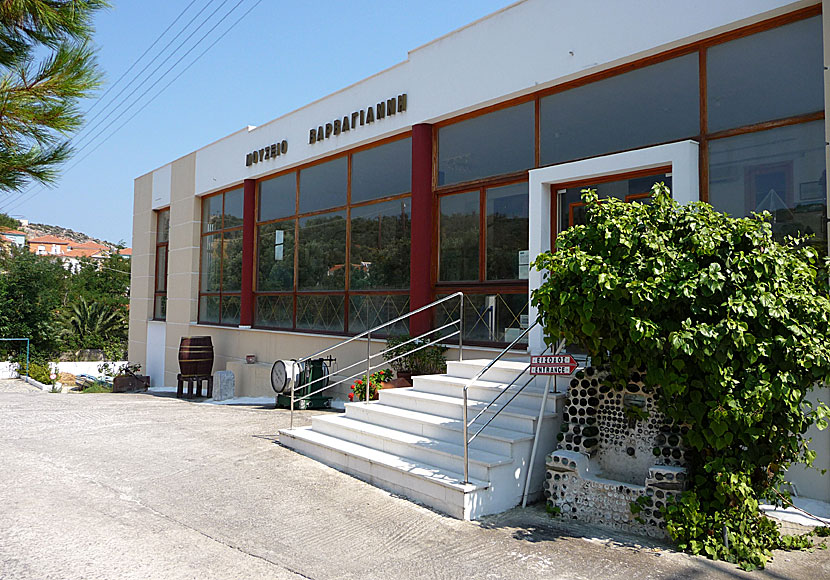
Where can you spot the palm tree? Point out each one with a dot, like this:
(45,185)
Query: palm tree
(91,324)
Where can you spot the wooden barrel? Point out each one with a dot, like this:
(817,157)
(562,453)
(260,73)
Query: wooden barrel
(196,356)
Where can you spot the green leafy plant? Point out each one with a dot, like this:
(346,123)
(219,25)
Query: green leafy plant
(731,324)
(375,380)
(428,360)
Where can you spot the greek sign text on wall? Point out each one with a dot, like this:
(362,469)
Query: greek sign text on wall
(269,152)
(359,118)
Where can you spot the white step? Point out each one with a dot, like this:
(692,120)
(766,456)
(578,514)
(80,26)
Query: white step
(441,489)
(503,371)
(493,439)
(515,419)
(529,398)
(441,454)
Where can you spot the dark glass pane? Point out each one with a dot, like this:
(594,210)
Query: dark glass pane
(381,236)
(458,259)
(650,105)
(769,75)
(382,171)
(212,213)
(234,203)
(230,309)
(320,313)
(369,311)
(160,308)
(780,171)
(323,186)
(638,189)
(488,317)
(232,261)
(507,232)
(278,197)
(275,256)
(209,309)
(322,252)
(492,144)
(161,268)
(211,268)
(163,226)
(275,311)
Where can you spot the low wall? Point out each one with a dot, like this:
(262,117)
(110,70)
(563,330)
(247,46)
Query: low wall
(83,367)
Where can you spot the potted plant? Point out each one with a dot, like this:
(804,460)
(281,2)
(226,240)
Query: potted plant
(125,377)
(410,358)
(377,380)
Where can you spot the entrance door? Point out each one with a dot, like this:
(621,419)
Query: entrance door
(569,210)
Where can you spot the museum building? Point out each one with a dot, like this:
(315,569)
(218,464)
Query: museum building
(451,170)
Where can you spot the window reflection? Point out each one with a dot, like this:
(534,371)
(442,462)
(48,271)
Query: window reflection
(459,244)
(322,252)
(781,171)
(507,232)
(380,238)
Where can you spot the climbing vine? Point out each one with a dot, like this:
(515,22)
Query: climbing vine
(733,325)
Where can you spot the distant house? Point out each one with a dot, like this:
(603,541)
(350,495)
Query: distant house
(49,245)
(71,252)
(15,237)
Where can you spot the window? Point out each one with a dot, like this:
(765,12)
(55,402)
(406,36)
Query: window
(483,237)
(309,277)
(769,75)
(655,104)
(781,171)
(221,259)
(493,144)
(162,241)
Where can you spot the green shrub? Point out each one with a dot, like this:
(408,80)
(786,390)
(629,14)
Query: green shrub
(731,324)
(39,371)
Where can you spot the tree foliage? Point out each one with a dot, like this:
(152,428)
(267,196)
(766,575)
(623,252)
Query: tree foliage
(735,328)
(92,324)
(7,221)
(46,66)
(30,294)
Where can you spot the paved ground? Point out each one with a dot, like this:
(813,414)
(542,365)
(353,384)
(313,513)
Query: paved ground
(142,486)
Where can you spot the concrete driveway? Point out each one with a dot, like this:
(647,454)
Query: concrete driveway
(142,486)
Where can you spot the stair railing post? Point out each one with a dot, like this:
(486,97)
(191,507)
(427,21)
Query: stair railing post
(368,362)
(466,441)
(461,330)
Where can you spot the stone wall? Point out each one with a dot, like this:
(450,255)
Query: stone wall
(615,447)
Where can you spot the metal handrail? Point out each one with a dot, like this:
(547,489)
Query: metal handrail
(466,424)
(369,356)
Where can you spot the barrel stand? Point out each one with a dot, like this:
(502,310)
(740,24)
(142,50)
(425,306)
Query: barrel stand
(180,380)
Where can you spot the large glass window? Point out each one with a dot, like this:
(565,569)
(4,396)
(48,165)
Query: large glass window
(770,75)
(343,269)
(781,171)
(507,232)
(459,237)
(324,186)
(275,256)
(162,243)
(321,261)
(382,171)
(220,268)
(380,240)
(493,144)
(278,197)
(655,104)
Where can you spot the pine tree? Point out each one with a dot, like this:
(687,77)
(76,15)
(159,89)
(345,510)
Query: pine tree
(46,65)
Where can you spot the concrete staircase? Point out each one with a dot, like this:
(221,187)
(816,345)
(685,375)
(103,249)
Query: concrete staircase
(410,441)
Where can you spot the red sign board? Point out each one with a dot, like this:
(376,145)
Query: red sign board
(557,364)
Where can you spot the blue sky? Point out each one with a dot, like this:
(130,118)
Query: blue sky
(279,57)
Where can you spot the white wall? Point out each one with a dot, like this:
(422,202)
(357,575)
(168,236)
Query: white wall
(156,340)
(162,183)
(531,45)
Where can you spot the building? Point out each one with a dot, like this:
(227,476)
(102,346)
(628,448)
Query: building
(15,237)
(452,169)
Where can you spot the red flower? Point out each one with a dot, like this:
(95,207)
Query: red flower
(351,396)
(352,387)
